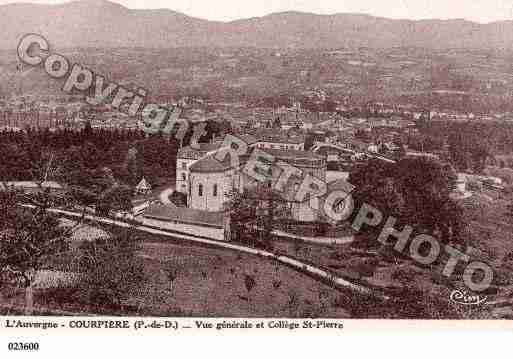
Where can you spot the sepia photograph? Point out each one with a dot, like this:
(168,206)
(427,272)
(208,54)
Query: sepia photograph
(277,165)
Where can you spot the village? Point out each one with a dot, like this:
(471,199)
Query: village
(196,204)
(152,223)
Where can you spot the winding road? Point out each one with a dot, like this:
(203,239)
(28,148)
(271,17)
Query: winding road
(300,266)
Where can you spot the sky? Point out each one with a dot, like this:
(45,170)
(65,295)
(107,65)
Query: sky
(482,11)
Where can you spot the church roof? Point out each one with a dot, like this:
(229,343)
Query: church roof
(211,164)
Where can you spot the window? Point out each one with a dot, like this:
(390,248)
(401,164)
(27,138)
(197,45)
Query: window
(215,190)
(184,165)
(314,202)
(184,176)
(200,190)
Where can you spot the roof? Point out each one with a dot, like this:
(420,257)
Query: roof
(282,139)
(45,279)
(339,185)
(248,139)
(278,136)
(211,164)
(195,153)
(184,215)
(30,184)
(143,184)
(293,154)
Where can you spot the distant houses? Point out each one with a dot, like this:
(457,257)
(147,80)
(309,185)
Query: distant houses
(32,186)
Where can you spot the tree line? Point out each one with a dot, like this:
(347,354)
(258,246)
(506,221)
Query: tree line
(469,146)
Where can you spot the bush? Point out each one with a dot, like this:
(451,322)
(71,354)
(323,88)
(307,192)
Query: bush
(112,271)
(178,199)
(404,276)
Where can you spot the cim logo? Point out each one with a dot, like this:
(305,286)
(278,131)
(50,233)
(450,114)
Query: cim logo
(463,298)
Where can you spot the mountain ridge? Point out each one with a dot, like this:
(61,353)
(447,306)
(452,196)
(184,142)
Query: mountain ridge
(101,23)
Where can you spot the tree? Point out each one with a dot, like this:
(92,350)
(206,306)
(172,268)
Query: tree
(469,147)
(254,214)
(509,209)
(99,189)
(242,211)
(179,199)
(133,167)
(110,269)
(415,191)
(116,198)
(249,282)
(156,157)
(276,123)
(171,272)
(29,236)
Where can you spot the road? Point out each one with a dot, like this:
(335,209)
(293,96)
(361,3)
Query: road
(299,266)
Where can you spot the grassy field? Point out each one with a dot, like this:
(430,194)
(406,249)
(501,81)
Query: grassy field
(207,282)
(491,228)
(212,282)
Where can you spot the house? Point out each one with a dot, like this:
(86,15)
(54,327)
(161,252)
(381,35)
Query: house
(143,187)
(31,186)
(279,140)
(373,148)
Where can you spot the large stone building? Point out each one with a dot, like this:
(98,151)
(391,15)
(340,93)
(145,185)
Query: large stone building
(211,181)
(208,182)
(189,155)
(186,157)
(310,164)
